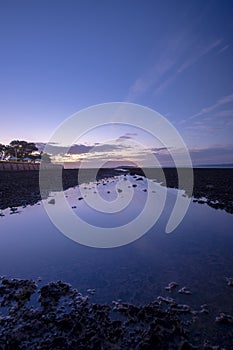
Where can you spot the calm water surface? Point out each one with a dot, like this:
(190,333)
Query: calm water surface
(198,254)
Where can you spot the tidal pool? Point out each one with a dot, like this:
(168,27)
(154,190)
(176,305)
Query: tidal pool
(198,254)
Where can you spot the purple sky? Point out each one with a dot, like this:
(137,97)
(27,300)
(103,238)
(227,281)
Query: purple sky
(60,56)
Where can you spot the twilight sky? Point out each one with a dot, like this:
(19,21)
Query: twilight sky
(60,56)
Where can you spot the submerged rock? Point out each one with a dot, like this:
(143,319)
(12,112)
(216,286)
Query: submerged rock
(184,290)
(224,318)
(171,286)
(229,281)
(65,319)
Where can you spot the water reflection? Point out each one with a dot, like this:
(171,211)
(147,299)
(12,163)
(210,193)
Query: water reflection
(198,254)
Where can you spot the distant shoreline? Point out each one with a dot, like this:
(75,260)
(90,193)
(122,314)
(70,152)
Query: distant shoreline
(25,166)
(21,188)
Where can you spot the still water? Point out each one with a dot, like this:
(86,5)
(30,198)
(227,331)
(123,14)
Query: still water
(198,254)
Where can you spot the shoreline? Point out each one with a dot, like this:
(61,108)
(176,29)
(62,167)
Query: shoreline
(64,318)
(21,188)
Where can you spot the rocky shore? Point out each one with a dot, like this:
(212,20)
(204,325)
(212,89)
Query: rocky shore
(61,318)
(212,187)
(21,188)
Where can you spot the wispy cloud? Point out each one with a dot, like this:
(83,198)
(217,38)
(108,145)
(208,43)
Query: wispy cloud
(204,127)
(226,113)
(180,52)
(223,49)
(127,136)
(219,103)
(215,154)
(159,149)
(212,155)
(149,78)
(190,61)
(199,54)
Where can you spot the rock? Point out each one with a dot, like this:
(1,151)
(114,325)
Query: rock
(166,300)
(229,281)
(208,346)
(13,209)
(171,286)
(224,318)
(184,290)
(91,291)
(201,201)
(181,308)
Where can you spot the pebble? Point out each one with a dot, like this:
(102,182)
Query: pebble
(166,300)
(171,286)
(184,290)
(224,318)
(229,281)
(91,291)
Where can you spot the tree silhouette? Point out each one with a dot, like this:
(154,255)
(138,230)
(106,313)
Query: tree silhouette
(21,149)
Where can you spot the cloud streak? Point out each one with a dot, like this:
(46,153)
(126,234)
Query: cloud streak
(223,49)
(179,53)
(221,102)
(190,61)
